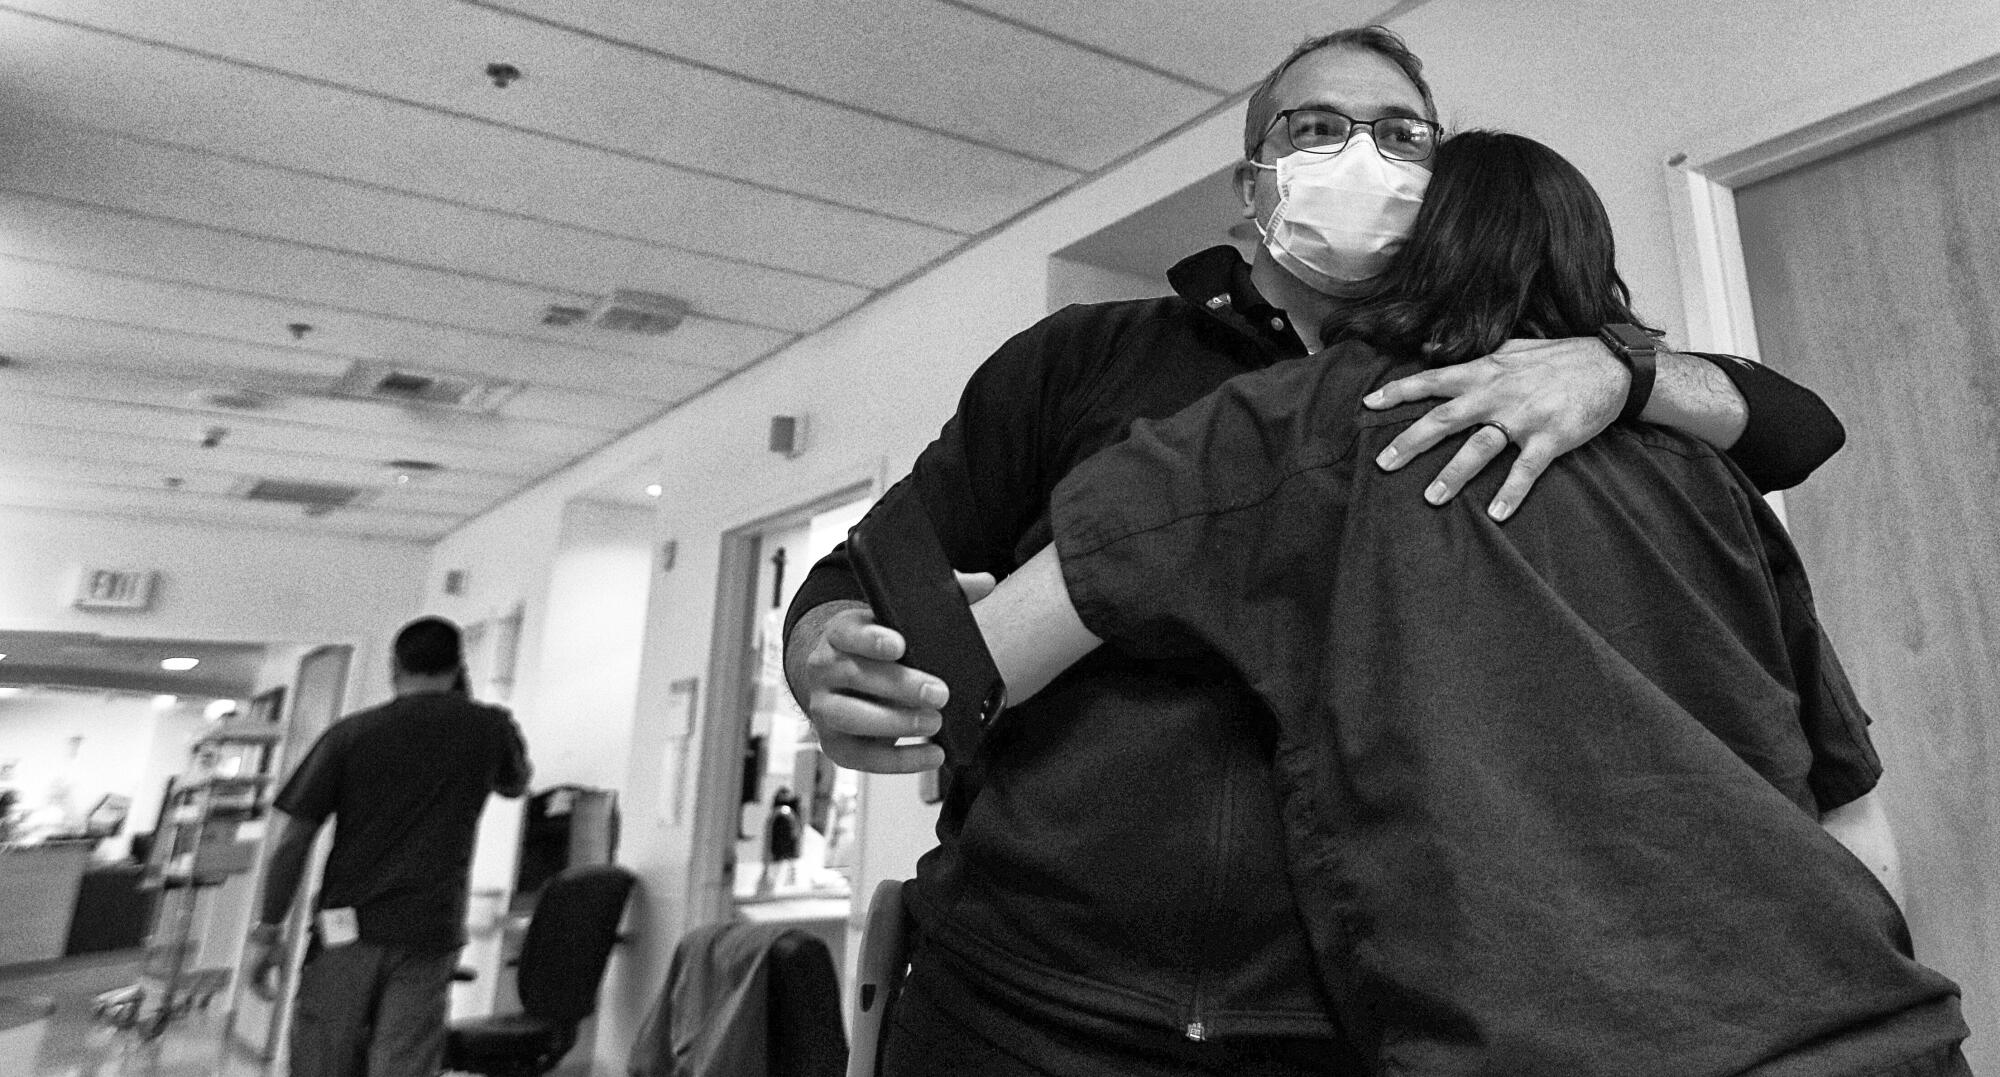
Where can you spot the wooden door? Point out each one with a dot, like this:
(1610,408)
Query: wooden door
(1875,277)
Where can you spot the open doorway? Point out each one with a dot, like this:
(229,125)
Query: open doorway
(116,753)
(782,818)
(93,730)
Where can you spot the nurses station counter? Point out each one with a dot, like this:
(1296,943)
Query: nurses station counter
(38,888)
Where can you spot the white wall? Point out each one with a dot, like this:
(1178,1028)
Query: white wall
(1618,87)
(583,700)
(216,583)
(1080,282)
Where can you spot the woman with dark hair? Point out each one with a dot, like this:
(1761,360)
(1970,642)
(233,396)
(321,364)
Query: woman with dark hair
(1511,242)
(1554,789)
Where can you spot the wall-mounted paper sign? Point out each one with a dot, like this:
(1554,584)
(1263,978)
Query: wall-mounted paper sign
(679,717)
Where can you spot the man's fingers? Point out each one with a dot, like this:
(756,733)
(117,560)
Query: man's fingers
(1479,450)
(849,715)
(1527,468)
(860,656)
(974,585)
(1420,436)
(1444,381)
(862,701)
(877,756)
(856,633)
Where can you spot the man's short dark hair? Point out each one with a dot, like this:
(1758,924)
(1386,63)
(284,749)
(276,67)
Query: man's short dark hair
(428,646)
(1376,39)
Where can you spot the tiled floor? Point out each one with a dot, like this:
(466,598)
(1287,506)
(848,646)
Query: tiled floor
(71,1043)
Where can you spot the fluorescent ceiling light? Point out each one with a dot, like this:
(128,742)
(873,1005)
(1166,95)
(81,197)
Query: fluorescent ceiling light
(652,490)
(180,665)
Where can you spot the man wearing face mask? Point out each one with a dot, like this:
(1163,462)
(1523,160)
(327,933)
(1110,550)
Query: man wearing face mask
(1109,892)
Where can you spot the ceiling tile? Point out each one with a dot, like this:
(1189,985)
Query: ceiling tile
(144,388)
(587,90)
(942,67)
(232,512)
(42,477)
(183,181)
(153,460)
(663,368)
(395,235)
(36,337)
(259,432)
(1229,45)
(74,77)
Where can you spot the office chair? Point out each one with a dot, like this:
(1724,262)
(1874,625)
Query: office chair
(562,962)
(745,1000)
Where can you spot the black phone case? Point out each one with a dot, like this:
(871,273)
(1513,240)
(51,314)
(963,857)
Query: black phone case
(909,584)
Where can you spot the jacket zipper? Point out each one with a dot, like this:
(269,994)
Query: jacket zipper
(1197,1027)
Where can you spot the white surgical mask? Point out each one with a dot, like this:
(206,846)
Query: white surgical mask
(1341,216)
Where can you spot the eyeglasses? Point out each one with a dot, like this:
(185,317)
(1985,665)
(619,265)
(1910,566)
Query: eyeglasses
(1322,130)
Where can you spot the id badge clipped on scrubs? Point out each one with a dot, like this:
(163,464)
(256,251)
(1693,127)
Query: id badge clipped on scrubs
(338,927)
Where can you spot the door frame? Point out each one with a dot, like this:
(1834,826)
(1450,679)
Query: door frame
(726,711)
(1701,185)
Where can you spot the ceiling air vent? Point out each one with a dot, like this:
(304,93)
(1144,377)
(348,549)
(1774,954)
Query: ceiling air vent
(238,399)
(423,388)
(317,498)
(626,310)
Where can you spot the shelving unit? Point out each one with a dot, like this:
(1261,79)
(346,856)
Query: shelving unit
(211,828)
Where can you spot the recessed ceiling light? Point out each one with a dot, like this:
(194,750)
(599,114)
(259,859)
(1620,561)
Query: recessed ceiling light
(180,665)
(652,490)
(162,702)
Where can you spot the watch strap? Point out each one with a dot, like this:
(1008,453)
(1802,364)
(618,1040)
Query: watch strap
(1639,351)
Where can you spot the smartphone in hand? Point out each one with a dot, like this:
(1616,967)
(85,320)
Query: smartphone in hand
(910,586)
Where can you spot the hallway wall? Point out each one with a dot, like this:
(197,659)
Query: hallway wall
(248,585)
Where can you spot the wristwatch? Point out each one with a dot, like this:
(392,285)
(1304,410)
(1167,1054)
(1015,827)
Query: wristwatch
(1637,349)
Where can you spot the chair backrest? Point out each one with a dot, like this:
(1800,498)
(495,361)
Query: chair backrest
(745,1000)
(806,1035)
(569,941)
